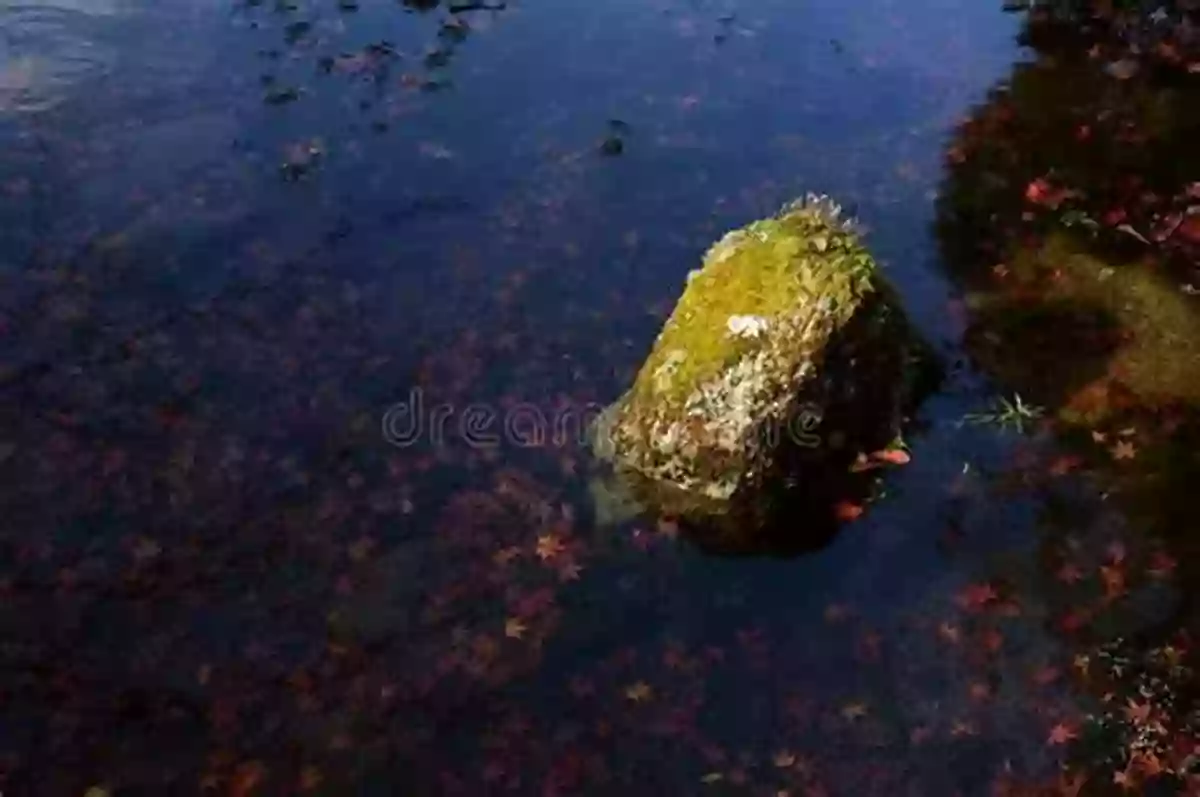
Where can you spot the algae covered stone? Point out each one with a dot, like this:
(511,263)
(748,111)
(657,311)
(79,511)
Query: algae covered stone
(786,355)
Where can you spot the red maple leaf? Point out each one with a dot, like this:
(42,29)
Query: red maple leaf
(976,596)
(1161,565)
(1045,676)
(1042,192)
(991,640)
(892,456)
(846,511)
(1072,621)
(1069,574)
(1061,734)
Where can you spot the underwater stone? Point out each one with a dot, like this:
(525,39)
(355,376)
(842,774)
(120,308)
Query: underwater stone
(786,355)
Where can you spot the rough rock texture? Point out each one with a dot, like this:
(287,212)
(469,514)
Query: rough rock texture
(786,355)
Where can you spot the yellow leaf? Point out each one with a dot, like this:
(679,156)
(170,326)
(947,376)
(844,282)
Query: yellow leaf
(514,628)
(639,692)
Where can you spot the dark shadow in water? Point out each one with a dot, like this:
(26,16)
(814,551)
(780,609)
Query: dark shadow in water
(1063,220)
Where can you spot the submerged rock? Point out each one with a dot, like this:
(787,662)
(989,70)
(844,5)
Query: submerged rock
(786,356)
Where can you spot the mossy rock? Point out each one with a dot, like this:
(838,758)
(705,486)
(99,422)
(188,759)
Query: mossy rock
(786,356)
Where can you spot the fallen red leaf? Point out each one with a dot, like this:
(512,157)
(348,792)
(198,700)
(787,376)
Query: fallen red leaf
(991,640)
(976,596)
(1069,574)
(1045,676)
(1072,622)
(1041,192)
(1037,190)
(892,456)
(1161,565)
(1061,734)
(847,511)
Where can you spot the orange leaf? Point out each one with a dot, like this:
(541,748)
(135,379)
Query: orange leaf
(1061,734)
(1036,191)
(1041,192)
(892,456)
(847,511)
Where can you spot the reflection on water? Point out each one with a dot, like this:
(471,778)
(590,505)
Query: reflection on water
(50,49)
(234,236)
(1069,216)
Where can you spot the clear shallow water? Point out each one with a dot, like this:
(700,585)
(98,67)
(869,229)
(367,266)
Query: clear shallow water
(235,236)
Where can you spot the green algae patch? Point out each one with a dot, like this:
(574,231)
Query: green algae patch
(786,353)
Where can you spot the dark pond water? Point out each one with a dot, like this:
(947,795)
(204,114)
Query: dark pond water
(235,235)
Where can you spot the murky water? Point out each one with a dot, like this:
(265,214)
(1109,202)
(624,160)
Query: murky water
(234,236)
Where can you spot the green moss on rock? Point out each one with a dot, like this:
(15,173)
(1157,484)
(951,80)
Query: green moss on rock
(786,349)
(797,268)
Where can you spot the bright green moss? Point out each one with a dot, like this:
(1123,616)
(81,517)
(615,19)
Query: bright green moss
(770,270)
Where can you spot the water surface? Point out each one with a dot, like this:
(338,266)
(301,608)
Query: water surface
(235,235)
